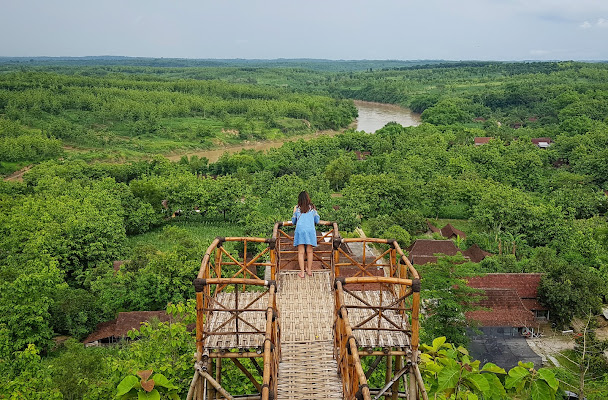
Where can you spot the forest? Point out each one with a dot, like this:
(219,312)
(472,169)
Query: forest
(95,136)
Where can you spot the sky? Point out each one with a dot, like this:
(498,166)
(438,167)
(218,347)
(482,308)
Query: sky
(326,29)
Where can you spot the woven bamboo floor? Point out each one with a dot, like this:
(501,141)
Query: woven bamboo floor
(307,369)
(229,340)
(306,307)
(375,337)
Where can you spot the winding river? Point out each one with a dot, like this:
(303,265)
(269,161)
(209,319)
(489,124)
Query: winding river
(372,116)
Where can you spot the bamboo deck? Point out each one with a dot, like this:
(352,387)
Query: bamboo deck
(308,369)
(306,308)
(227,339)
(373,336)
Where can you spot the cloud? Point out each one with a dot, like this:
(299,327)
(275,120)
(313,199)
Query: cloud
(600,23)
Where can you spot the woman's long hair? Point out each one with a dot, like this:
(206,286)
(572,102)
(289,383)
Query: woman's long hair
(304,202)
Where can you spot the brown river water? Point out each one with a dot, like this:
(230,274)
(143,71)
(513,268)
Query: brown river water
(372,116)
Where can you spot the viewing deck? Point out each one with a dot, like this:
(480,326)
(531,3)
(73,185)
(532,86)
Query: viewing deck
(309,333)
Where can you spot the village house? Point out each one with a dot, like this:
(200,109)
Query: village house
(116,329)
(447,231)
(511,313)
(482,140)
(424,251)
(542,142)
(512,297)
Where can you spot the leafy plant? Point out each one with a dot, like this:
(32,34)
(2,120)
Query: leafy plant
(450,373)
(147,387)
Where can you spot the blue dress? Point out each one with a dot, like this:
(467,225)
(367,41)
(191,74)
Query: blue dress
(305,227)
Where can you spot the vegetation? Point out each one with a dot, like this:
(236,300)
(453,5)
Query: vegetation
(82,206)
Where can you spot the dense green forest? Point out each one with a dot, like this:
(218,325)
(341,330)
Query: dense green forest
(95,135)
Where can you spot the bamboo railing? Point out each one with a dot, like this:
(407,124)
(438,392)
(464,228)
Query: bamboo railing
(403,283)
(323,253)
(221,272)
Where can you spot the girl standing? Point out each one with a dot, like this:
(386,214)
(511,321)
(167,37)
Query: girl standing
(305,237)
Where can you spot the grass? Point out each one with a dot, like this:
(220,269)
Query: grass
(199,234)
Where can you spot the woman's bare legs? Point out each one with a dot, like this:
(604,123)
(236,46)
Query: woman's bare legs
(301,260)
(309,259)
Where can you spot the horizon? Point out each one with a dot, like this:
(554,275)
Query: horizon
(483,30)
(435,60)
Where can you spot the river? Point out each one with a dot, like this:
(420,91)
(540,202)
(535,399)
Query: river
(372,116)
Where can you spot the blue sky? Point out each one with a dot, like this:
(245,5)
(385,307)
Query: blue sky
(331,29)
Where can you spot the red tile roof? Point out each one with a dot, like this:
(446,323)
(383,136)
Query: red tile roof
(475,253)
(505,309)
(526,286)
(536,141)
(432,227)
(450,232)
(482,140)
(423,251)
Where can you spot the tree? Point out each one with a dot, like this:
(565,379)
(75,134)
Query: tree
(447,297)
(569,289)
(339,170)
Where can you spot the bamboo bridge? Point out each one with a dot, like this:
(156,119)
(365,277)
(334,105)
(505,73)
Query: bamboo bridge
(318,337)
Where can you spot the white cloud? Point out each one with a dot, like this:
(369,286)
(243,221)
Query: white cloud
(600,23)
(539,52)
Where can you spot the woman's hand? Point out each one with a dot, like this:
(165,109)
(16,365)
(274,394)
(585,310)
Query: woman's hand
(295,208)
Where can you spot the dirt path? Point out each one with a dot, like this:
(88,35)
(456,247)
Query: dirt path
(18,175)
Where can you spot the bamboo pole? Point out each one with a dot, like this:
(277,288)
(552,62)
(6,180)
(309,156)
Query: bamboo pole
(248,374)
(215,384)
(425,396)
(378,279)
(266,380)
(351,343)
(192,386)
(218,375)
(395,387)
(200,325)
(388,374)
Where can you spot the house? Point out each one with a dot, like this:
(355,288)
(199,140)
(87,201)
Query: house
(450,232)
(482,140)
(475,253)
(512,313)
(542,142)
(513,299)
(116,329)
(424,251)
(447,231)
(362,155)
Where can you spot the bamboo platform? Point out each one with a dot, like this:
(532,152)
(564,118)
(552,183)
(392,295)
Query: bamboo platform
(306,307)
(307,369)
(224,337)
(310,333)
(372,334)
